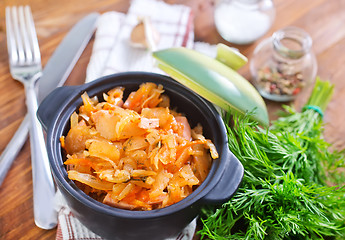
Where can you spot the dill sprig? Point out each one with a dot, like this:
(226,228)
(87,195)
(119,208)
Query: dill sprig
(283,194)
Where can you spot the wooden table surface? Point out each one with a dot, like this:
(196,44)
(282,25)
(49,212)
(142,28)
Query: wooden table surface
(323,19)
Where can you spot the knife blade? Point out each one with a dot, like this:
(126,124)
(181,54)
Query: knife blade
(71,48)
(54,74)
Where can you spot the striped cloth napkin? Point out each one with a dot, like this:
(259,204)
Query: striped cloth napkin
(112,53)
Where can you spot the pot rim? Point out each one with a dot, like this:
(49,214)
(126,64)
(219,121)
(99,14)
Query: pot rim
(60,173)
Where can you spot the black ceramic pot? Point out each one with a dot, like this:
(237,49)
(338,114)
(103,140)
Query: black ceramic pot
(221,183)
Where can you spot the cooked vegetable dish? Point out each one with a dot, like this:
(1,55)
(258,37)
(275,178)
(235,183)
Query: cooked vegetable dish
(138,153)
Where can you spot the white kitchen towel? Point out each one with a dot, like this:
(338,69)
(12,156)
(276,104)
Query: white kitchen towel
(70,228)
(112,52)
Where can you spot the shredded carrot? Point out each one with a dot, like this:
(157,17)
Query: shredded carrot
(81,161)
(140,154)
(185,145)
(62,141)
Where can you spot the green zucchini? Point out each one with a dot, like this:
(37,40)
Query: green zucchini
(230,57)
(213,80)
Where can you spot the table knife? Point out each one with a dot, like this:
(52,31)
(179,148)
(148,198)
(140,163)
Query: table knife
(54,74)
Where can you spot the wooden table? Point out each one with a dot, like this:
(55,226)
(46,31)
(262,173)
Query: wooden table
(323,19)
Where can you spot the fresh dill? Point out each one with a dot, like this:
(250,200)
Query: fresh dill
(291,188)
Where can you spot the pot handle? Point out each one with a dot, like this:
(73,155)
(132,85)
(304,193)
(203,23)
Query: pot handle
(229,182)
(49,106)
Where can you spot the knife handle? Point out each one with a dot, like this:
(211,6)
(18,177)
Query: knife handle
(13,148)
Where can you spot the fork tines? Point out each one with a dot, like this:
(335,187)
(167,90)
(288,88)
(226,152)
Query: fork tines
(21,35)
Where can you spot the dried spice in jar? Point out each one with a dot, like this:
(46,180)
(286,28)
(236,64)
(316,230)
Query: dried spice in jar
(283,65)
(280,82)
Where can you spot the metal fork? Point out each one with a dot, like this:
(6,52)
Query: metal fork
(25,66)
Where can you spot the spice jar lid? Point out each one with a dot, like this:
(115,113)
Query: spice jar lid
(214,80)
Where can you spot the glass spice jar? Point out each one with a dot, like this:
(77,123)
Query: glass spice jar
(243,21)
(284,64)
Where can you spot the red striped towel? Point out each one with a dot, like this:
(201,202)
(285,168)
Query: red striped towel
(113,53)
(69,227)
